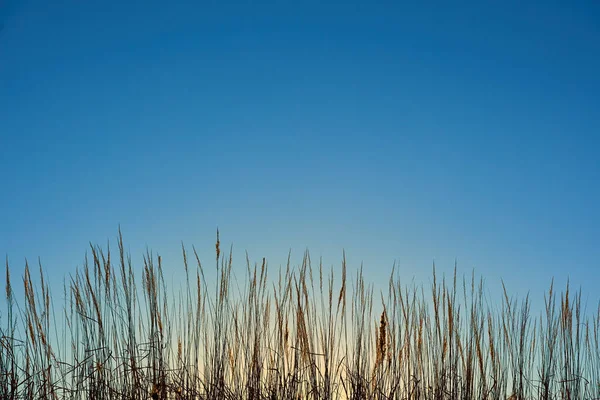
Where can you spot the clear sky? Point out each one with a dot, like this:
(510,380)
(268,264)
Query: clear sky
(398,133)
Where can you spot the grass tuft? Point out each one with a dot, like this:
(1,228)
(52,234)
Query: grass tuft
(308,334)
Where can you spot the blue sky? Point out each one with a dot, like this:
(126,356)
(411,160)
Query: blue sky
(398,133)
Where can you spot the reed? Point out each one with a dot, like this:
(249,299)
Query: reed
(305,333)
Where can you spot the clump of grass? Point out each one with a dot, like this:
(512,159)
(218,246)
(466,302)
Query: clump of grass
(307,333)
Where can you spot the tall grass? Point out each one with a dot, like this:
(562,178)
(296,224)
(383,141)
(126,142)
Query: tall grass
(307,333)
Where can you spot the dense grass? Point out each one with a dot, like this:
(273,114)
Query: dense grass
(308,334)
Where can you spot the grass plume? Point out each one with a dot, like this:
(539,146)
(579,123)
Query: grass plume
(306,333)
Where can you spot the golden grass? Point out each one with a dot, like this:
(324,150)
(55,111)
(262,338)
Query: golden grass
(303,335)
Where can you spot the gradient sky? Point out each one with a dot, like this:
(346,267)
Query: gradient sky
(397,133)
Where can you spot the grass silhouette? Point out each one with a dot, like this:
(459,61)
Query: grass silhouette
(306,335)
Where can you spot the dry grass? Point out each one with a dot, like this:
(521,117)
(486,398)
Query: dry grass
(302,335)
